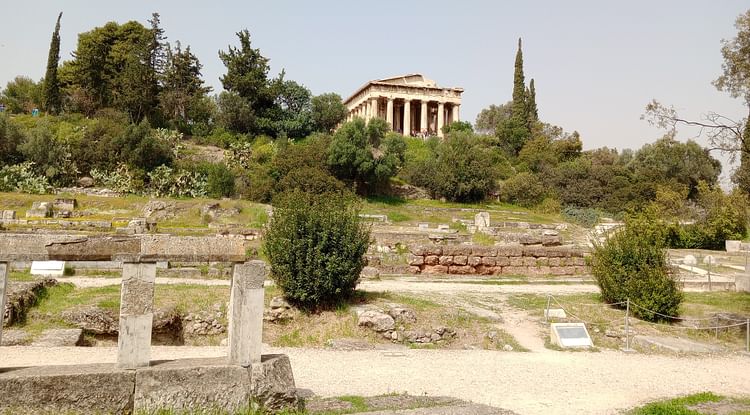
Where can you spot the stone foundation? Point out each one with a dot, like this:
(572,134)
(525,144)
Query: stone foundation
(189,384)
(497,260)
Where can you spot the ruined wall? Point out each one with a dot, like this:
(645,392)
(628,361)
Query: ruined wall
(497,260)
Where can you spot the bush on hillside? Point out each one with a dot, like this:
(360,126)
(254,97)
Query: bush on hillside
(21,178)
(523,189)
(632,264)
(316,245)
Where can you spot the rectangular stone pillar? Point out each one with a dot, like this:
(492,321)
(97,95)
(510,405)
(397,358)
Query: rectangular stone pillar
(455,113)
(136,315)
(440,118)
(407,118)
(246,313)
(389,113)
(3,288)
(423,118)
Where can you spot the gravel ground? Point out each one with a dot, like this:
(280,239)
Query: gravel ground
(527,383)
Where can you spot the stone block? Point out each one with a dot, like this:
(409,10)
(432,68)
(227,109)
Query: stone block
(186,385)
(543,270)
(136,315)
(483,250)
(729,245)
(431,260)
(460,260)
(557,270)
(489,261)
(527,239)
(65,204)
(578,261)
(554,262)
(59,338)
(11,215)
(510,250)
(40,210)
(516,261)
(425,250)
(416,260)
(484,270)
(474,261)
(741,283)
(529,261)
(482,220)
(191,248)
(454,250)
(460,269)
(502,261)
(446,260)
(414,270)
(542,262)
(435,269)
(534,251)
(79,389)
(48,268)
(551,240)
(515,270)
(246,313)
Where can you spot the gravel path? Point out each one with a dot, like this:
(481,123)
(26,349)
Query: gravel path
(527,383)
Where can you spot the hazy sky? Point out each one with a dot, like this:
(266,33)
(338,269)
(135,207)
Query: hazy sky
(596,64)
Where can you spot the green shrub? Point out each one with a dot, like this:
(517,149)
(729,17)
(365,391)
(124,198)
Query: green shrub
(219,181)
(165,181)
(523,189)
(632,264)
(316,245)
(21,178)
(120,180)
(585,217)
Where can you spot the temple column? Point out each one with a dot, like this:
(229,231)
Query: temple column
(423,116)
(407,118)
(440,118)
(374,105)
(389,113)
(455,113)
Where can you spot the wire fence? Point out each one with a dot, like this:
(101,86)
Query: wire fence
(735,322)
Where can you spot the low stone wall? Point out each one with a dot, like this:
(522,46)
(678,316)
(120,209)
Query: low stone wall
(180,385)
(497,260)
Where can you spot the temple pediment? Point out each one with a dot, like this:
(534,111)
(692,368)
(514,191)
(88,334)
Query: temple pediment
(416,79)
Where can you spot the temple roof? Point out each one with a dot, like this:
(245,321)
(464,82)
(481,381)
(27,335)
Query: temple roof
(416,80)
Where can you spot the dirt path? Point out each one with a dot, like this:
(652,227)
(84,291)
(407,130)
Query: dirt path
(457,287)
(527,383)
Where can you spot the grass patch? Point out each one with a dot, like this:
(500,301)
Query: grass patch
(479,238)
(20,276)
(678,406)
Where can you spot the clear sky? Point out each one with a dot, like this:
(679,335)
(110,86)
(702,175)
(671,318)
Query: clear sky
(596,64)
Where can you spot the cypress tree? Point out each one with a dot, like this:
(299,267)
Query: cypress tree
(52,100)
(531,109)
(519,110)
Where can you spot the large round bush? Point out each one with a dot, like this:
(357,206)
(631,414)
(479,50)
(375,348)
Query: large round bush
(316,245)
(632,264)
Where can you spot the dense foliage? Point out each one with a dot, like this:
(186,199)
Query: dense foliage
(632,265)
(315,244)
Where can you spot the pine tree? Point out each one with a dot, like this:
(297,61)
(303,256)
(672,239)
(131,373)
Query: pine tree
(519,110)
(531,109)
(52,100)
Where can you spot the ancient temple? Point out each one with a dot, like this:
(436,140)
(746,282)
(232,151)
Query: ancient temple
(411,104)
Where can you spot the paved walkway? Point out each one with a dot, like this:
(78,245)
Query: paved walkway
(526,383)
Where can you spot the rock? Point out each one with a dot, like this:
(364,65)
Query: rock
(223,342)
(59,338)
(159,210)
(528,239)
(689,260)
(551,238)
(508,348)
(40,210)
(8,215)
(394,335)
(93,320)
(279,310)
(434,337)
(370,272)
(482,220)
(492,335)
(65,204)
(279,302)
(86,181)
(401,314)
(14,337)
(376,320)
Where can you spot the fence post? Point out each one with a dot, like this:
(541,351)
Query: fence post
(747,335)
(546,310)
(627,324)
(709,275)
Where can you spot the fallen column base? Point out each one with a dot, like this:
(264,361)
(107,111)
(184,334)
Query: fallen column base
(187,384)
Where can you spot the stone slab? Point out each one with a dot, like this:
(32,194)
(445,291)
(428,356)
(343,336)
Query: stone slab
(130,248)
(570,335)
(555,313)
(246,312)
(186,384)
(732,245)
(59,338)
(136,315)
(48,268)
(80,389)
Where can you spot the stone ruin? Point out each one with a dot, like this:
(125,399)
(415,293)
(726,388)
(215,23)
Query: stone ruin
(497,260)
(135,383)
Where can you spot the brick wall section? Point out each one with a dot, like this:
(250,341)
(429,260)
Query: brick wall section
(497,260)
